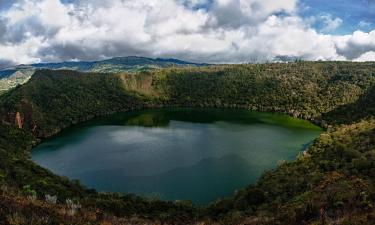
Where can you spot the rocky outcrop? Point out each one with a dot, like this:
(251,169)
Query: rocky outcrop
(19,120)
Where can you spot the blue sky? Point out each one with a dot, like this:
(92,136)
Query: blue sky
(214,31)
(353,13)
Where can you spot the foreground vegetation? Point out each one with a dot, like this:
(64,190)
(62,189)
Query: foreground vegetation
(332,182)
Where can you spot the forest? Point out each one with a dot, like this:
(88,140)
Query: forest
(331,182)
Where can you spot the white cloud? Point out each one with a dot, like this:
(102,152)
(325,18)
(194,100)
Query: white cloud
(329,23)
(224,31)
(355,45)
(290,37)
(368,56)
(238,13)
(53,13)
(25,52)
(364,24)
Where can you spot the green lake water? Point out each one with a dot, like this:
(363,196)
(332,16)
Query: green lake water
(176,154)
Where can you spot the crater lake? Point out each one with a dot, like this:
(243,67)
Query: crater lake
(176,154)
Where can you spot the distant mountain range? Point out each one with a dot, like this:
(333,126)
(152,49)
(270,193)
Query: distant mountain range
(13,76)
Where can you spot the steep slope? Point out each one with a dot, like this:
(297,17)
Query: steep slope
(53,100)
(361,109)
(301,89)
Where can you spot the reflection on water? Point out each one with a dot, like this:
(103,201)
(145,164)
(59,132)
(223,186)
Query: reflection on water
(175,153)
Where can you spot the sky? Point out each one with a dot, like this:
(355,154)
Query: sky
(211,31)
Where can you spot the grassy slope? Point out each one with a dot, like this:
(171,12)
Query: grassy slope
(339,164)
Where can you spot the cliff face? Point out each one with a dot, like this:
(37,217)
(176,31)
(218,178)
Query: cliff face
(139,83)
(19,120)
(19,114)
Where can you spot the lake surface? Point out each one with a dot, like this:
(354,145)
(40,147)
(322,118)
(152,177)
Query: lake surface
(176,154)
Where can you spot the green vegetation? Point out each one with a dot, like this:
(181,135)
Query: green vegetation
(332,182)
(305,89)
(14,76)
(53,100)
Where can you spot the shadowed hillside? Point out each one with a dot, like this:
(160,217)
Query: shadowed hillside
(361,109)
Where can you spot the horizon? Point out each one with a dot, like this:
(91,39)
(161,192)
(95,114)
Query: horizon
(200,31)
(188,62)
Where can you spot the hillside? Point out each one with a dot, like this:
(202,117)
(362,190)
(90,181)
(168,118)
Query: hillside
(130,63)
(333,181)
(13,76)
